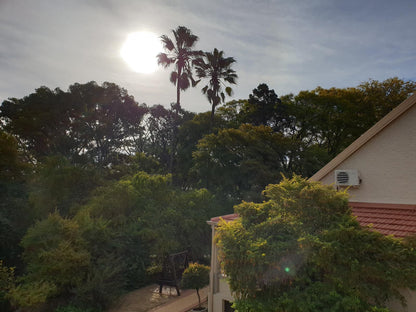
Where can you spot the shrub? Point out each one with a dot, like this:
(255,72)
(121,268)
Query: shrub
(196,276)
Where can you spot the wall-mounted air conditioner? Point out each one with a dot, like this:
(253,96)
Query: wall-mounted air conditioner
(347,177)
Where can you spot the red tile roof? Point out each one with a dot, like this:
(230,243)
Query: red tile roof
(389,219)
(229,217)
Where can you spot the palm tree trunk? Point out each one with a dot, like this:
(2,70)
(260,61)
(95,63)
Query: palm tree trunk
(178,90)
(214,104)
(212,114)
(174,141)
(178,99)
(175,126)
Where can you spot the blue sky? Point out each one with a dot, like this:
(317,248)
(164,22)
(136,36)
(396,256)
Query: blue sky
(291,45)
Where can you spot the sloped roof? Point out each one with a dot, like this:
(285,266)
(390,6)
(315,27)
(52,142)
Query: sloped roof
(365,137)
(388,219)
(227,218)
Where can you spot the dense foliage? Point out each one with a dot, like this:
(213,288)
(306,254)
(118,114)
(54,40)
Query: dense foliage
(96,188)
(106,246)
(302,250)
(242,161)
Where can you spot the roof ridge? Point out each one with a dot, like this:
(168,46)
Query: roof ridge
(365,137)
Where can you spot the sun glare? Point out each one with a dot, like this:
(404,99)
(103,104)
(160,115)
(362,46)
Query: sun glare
(139,51)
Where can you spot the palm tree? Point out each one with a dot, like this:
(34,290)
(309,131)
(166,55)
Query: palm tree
(180,53)
(217,69)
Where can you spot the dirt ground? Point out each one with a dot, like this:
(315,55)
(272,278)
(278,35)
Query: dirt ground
(143,299)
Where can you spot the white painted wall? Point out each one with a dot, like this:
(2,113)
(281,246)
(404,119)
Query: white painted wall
(223,294)
(219,289)
(387,164)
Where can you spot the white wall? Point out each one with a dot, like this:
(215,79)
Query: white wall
(387,164)
(223,294)
(218,290)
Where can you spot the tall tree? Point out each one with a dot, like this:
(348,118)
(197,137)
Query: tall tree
(181,53)
(239,163)
(89,123)
(14,208)
(265,108)
(217,68)
(334,118)
(380,97)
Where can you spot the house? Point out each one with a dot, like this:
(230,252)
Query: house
(379,169)
(219,295)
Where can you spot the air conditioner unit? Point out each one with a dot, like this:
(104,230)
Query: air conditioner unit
(347,177)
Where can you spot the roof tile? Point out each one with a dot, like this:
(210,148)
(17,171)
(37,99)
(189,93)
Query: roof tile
(388,219)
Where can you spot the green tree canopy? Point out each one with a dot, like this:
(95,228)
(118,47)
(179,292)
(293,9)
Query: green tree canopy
(333,118)
(241,162)
(89,123)
(106,247)
(14,208)
(302,250)
(136,201)
(265,108)
(190,132)
(58,185)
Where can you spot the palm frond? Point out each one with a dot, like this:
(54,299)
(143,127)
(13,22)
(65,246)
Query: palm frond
(180,52)
(164,60)
(184,81)
(173,77)
(194,82)
(222,96)
(167,43)
(217,68)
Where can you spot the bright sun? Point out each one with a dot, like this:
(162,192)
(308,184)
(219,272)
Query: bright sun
(139,51)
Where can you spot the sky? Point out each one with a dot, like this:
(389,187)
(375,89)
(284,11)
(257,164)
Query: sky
(291,45)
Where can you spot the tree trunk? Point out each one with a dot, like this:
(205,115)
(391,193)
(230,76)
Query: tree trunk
(199,298)
(178,91)
(214,104)
(175,129)
(212,115)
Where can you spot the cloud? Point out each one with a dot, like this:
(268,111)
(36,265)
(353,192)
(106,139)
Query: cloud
(290,45)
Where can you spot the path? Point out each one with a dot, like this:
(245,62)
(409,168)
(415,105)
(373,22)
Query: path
(187,300)
(148,299)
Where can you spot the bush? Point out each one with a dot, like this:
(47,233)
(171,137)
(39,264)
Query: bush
(6,283)
(31,294)
(196,276)
(302,250)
